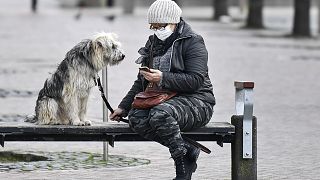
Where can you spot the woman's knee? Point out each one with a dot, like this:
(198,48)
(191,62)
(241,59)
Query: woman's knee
(138,118)
(159,117)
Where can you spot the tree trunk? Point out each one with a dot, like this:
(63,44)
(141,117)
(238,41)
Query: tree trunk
(301,26)
(318,17)
(109,3)
(255,15)
(34,5)
(128,7)
(220,8)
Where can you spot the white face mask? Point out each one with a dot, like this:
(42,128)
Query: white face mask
(163,33)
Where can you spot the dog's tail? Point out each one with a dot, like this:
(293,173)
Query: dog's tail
(30,119)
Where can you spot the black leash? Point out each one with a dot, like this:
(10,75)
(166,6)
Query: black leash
(106,101)
(191,141)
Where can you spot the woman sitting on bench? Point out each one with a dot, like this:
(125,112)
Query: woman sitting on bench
(177,58)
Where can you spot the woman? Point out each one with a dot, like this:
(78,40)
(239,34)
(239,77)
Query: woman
(177,58)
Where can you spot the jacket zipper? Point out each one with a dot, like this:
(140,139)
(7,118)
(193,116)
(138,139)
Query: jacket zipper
(172,49)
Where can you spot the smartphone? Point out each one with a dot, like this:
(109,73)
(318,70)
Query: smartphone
(144,68)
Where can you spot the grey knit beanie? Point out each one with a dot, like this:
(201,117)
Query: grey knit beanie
(164,11)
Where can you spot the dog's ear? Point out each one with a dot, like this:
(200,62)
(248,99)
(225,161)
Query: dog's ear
(88,49)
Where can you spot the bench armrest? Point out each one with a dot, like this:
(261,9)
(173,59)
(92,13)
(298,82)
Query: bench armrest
(244,107)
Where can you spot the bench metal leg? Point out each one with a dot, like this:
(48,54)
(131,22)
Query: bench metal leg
(243,168)
(2,139)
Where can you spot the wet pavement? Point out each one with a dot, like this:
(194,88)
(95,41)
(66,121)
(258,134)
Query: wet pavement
(286,96)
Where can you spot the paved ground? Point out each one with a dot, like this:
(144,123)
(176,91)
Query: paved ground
(286,72)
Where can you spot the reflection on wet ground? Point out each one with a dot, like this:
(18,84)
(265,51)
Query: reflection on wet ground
(285,46)
(5,93)
(10,71)
(306,58)
(12,117)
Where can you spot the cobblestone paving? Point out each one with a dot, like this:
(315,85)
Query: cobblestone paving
(285,70)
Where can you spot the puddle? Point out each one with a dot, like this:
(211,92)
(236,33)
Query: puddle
(12,157)
(31,161)
(4,93)
(11,71)
(30,60)
(306,58)
(12,118)
(285,46)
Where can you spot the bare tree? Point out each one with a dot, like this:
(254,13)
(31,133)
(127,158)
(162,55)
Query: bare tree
(255,14)
(220,8)
(301,24)
(109,3)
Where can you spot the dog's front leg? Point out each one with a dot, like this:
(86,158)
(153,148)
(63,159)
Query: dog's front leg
(83,101)
(73,112)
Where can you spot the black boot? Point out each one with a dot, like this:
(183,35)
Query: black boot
(184,167)
(192,152)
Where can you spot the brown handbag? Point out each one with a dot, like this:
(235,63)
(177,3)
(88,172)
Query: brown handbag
(151,97)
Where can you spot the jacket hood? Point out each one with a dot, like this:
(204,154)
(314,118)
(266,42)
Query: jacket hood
(185,29)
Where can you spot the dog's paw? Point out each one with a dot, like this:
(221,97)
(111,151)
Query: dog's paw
(87,122)
(78,123)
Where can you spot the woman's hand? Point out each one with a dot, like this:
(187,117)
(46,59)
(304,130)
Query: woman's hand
(153,76)
(116,115)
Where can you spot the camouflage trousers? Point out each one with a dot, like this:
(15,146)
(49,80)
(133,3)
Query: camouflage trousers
(164,122)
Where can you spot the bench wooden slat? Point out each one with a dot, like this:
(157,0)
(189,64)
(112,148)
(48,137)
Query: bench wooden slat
(99,128)
(222,132)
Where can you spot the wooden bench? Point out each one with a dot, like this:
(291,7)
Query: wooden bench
(241,133)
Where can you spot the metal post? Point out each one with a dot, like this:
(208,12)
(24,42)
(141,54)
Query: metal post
(244,146)
(105,110)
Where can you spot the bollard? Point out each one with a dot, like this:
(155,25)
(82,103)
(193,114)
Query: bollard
(243,169)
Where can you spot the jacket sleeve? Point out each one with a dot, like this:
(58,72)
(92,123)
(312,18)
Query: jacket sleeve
(138,83)
(195,62)
(128,99)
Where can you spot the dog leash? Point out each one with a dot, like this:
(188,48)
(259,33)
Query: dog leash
(191,141)
(106,101)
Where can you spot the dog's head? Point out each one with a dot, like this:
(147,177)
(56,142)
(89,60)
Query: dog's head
(106,50)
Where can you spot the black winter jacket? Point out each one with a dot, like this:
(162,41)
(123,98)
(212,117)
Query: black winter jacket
(189,70)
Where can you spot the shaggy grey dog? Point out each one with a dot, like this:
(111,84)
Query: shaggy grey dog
(63,99)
